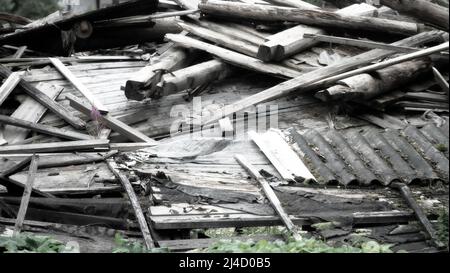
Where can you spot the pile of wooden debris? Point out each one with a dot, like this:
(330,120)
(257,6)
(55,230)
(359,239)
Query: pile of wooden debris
(128,119)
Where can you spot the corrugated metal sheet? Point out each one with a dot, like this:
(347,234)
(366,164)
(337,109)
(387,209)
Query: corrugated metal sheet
(371,156)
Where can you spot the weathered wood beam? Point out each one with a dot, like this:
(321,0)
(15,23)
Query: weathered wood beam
(422,10)
(221,39)
(293,3)
(149,242)
(359,43)
(45,129)
(79,85)
(111,122)
(369,85)
(188,4)
(304,82)
(43,99)
(236,31)
(26,194)
(193,76)
(441,80)
(234,58)
(8,86)
(56,147)
(271,196)
(290,167)
(293,40)
(143,84)
(308,17)
(20,51)
(419,213)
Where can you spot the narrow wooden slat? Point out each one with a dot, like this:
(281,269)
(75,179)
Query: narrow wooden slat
(79,85)
(270,194)
(43,99)
(26,194)
(30,110)
(110,122)
(45,129)
(8,86)
(134,202)
(56,147)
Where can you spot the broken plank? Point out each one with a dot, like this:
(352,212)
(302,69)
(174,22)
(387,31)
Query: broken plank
(79,85)
(283,158)
(419,213)
(110,122)
(17,167)
(45,129)
(8,86)
(26,194)
(134,202)
(234,58)
(30,110)
(46,101)
(56,147)
(270,194)
(143,84)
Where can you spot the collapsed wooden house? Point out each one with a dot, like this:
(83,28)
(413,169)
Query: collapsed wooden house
(160,120)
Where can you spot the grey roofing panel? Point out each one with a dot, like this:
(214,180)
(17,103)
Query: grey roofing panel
(371,156)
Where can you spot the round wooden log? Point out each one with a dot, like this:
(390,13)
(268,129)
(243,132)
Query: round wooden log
(422,10)
(308,17)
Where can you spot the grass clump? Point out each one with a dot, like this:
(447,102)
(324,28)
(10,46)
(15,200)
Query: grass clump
(305,245)
(124,245)
(29,243)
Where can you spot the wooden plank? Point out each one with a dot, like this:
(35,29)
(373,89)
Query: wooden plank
(56,147)
(17,167)
(45,129)
(46,101)
(270,194)
(293,3)
(293,40)
(193,76)
(8,86)
(307,81)
(16,187)
(419,213)
(221,39)
(143,84)
(233,57)
(79,85)
(283,158)
(20,51)
(359,43)
(439,79)
(111,122)
(26,194)
(134,202)
(30,110)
